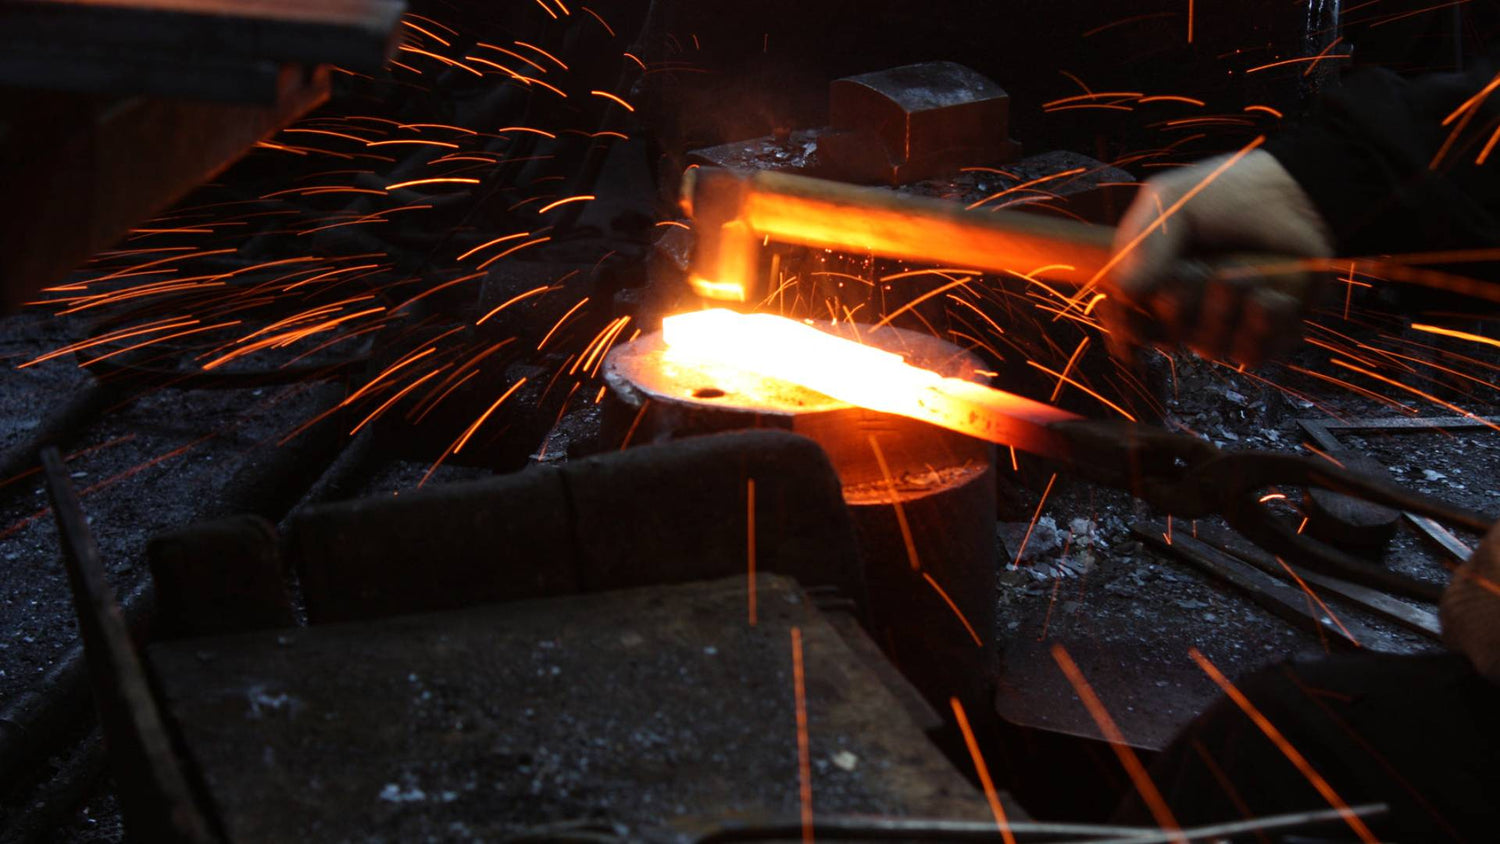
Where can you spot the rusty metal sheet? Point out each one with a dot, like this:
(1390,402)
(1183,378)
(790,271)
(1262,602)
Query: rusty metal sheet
(635,707)
(218,49)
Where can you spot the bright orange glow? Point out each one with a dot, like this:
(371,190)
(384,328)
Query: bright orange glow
(1461,335)
(781,348)
(983,770)
(1291,753)
(1132,763)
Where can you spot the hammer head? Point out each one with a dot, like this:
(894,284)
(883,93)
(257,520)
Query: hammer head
(726,252)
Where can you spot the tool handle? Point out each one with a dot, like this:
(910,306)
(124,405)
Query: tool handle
(735,212)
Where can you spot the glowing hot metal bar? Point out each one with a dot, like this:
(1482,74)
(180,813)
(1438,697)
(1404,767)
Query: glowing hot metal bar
(781,348)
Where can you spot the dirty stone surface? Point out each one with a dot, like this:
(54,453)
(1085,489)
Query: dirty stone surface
(632,709)
(159,462)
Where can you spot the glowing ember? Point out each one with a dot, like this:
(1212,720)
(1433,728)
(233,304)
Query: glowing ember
(787,350)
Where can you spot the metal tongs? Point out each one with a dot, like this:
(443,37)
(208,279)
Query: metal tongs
(1191,478)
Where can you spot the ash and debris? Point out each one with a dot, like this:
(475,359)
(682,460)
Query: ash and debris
(157,463)
(1128,613)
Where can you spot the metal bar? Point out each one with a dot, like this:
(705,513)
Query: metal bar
(1373,600)
(159,804)
(1405,423)
(837,827)
(1288,602)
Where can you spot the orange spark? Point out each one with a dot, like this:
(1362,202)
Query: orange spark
(513,250)
(602,22)
(490,243)
(1072,172)
(457,180)
(1461,335)
(956,611)
(434,36)
(890,484)
(583,197)
(1173,98)
(559,323)
(1084,387)
(608,96)
(1034,517)
(392,400)
(537,49)
(407,48)
(1161,218)
(1299,60)
(1414,391)
(1071,360)
(1132,764)
(463,440)
(749,546)
(512,54)
(1319,601)
(511,301)
(1292,754)
(804,751)
(983,770)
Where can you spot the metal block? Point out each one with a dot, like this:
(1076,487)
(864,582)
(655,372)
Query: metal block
(219,577)
(914,122)
(1346,521)
(660,514)
(637,708)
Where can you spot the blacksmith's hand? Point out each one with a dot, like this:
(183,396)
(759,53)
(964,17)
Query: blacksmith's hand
(1470,609)
(1155,297)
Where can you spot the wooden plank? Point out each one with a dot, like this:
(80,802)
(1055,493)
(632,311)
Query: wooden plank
(1320,431)
(1284,601)
(154,793)
(1373,600)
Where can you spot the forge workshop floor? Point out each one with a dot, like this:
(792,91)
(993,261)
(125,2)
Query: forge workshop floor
(1126,613)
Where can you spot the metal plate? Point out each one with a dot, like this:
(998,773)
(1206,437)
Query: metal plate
(631,707)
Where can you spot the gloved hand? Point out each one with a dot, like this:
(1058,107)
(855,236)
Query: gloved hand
(1252,206)
(1470,609)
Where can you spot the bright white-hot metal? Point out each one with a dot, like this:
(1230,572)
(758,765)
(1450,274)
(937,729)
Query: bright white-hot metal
(787,350)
